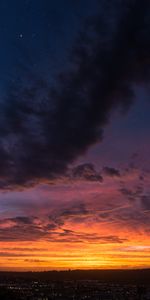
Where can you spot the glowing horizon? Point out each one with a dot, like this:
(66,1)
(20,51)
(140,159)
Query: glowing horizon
(77,225)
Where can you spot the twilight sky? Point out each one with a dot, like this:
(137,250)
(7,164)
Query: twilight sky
(74,134)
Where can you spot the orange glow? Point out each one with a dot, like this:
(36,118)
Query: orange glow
(102,230)
(44,255)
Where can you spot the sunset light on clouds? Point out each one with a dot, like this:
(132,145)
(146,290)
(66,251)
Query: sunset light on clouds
(74,131)
(89,218)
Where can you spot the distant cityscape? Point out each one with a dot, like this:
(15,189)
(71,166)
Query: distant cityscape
(25,288)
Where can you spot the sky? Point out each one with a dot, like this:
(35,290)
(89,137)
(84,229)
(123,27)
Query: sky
(74,134)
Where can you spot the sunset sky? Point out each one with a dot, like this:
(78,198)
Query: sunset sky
(74,134)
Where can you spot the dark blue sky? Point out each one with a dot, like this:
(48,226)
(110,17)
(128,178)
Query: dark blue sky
(38,34)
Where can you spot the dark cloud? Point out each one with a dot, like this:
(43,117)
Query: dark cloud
(85,172)
(145,201)
(24,249)
(131,219)
(36,260)
(44,129)
(68,236)
(112,172)
(132,194)
(75,210)
(23,228)
(11,254)
(136,220)
(23,220)
(141,178)
(15,230)
(77,213)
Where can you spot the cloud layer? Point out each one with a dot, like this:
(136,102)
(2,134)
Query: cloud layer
(78,222)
